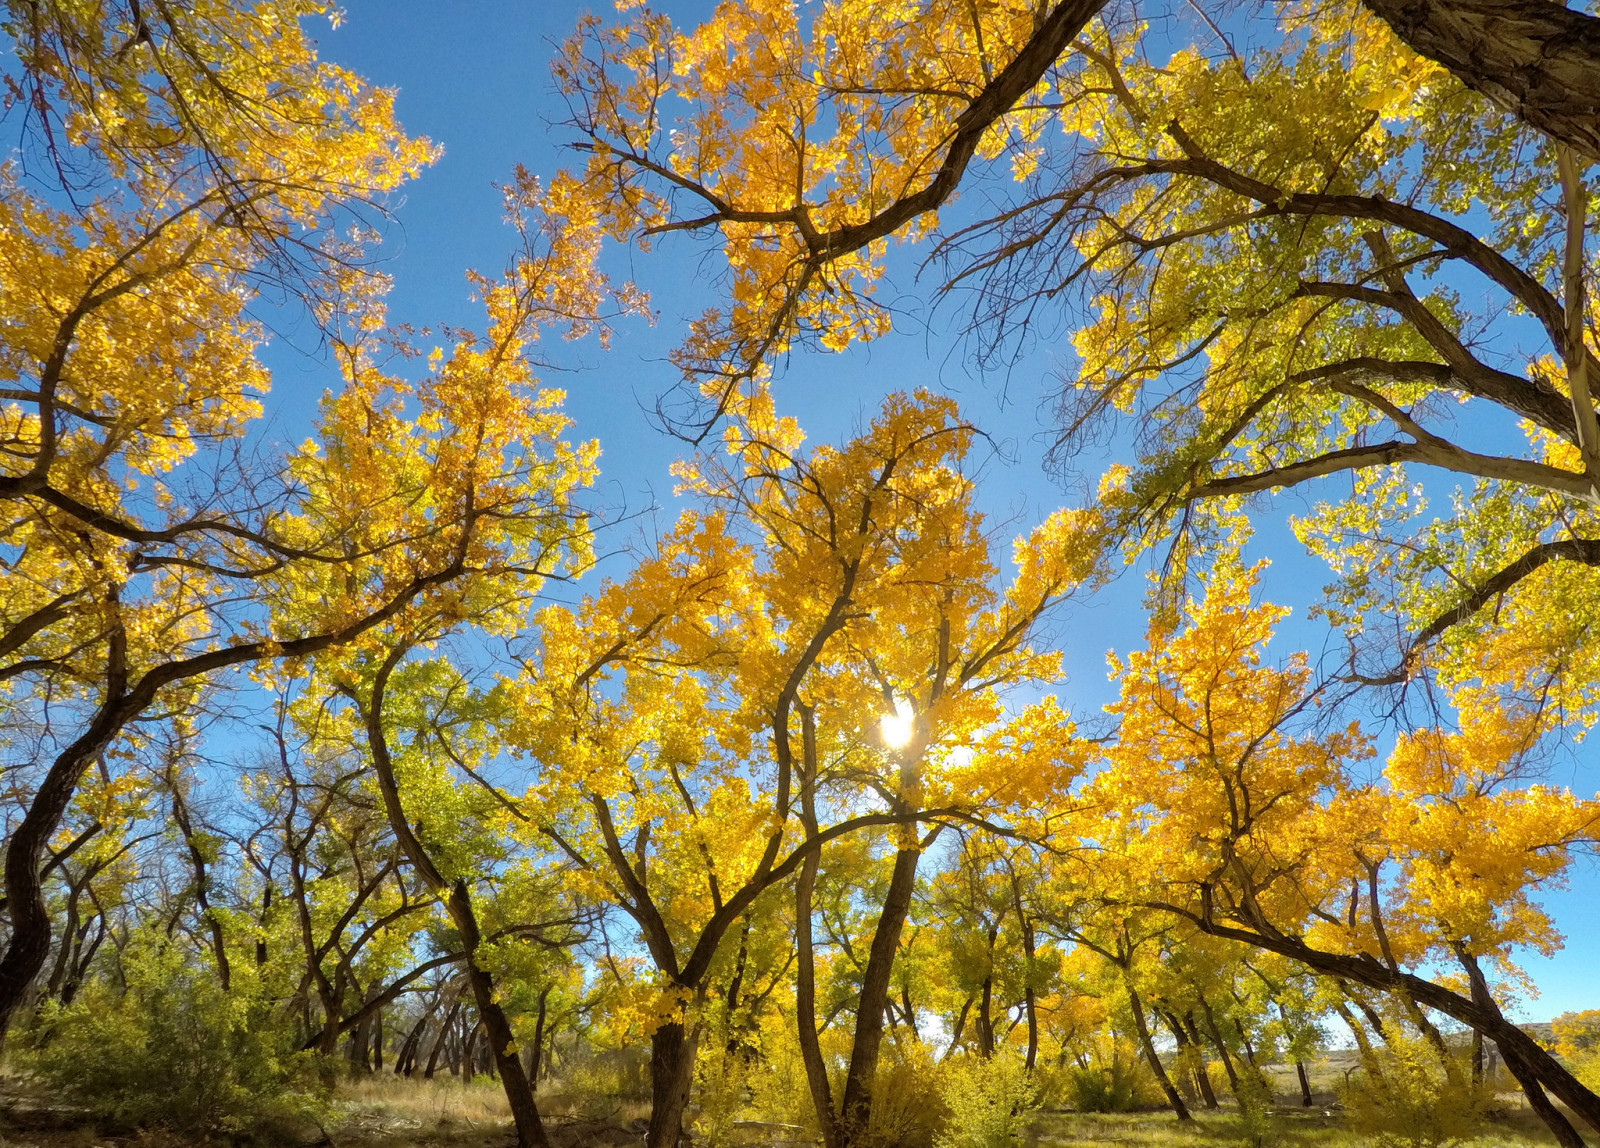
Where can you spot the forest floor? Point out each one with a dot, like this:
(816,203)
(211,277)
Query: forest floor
(388,1113)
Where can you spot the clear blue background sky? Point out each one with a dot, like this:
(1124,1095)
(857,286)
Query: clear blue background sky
(474,77)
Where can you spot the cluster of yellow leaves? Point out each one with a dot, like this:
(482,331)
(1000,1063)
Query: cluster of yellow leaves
(780,126)
(1221,798)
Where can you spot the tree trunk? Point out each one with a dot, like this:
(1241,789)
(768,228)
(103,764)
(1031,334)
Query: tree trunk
(469,1054)
(960,1026)
(1305,1082)
(805,987)
(856,1108)
(458,902)
(261,941)
(1538,60)
(1190,1047)
(1222,1049)
(202,878)
(985,1022)
(30,920)
(1029,1001)
(534,1061)
(441,1040)
(1179,1109)
(1480,1012)
(672,1050)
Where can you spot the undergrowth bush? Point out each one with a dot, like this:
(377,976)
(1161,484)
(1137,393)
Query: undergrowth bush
(780,1092)
(1257,1126)
(600,1083)
(908,1108)
(173,1050)
(1409,1096)
(1122,1082)
(987,1101)
(720,1092)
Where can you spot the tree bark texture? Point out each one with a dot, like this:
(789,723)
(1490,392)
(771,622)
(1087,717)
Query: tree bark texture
(672,1051)
(1538,60)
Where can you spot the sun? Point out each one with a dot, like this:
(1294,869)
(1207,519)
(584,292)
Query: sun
(897,727)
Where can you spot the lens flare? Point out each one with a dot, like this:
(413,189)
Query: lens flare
(897,727)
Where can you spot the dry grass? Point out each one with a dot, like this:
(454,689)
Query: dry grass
(383,1111)
(394,1112)
(1292,1128)
(443,1100)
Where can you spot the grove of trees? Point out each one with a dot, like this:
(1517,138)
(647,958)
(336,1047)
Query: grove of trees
(780,801)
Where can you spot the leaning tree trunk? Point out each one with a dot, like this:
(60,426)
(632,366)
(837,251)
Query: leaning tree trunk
(1153,1059)
(458,903)
(1536,59)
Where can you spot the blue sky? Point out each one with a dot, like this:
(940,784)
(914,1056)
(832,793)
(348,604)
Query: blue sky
(473,76)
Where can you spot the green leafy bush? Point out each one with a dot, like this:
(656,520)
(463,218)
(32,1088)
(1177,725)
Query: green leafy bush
(988,1101)
(1119,1084)
(1257,1126)
(173,1049)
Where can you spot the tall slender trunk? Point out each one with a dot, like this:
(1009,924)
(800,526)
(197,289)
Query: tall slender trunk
(1029,1001)
(1140,1027)
(985,1022)
(458,903)
(261,941)
(856,1106)
(69,932)
(534,1061)
(1221,1047)
(1363,1044)
(1193,1052)
(202,879)
(1244,1043)
(405,1060)
(443,1039)
(469,1054)
(805,989)
(960,1025)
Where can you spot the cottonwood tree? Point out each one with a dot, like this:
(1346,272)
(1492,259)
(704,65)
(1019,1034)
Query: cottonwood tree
(199,157)
(1250,827)
(708,727)
(813,138)
(1276,284)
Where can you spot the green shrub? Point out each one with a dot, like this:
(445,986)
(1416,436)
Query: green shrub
(172,1049)
(988,1101)
(1121,1084)
(1257,1127)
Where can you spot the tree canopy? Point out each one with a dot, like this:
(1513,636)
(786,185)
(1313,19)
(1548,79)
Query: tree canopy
(389,740)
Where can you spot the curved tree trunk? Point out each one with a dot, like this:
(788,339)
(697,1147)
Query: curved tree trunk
(458,902)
